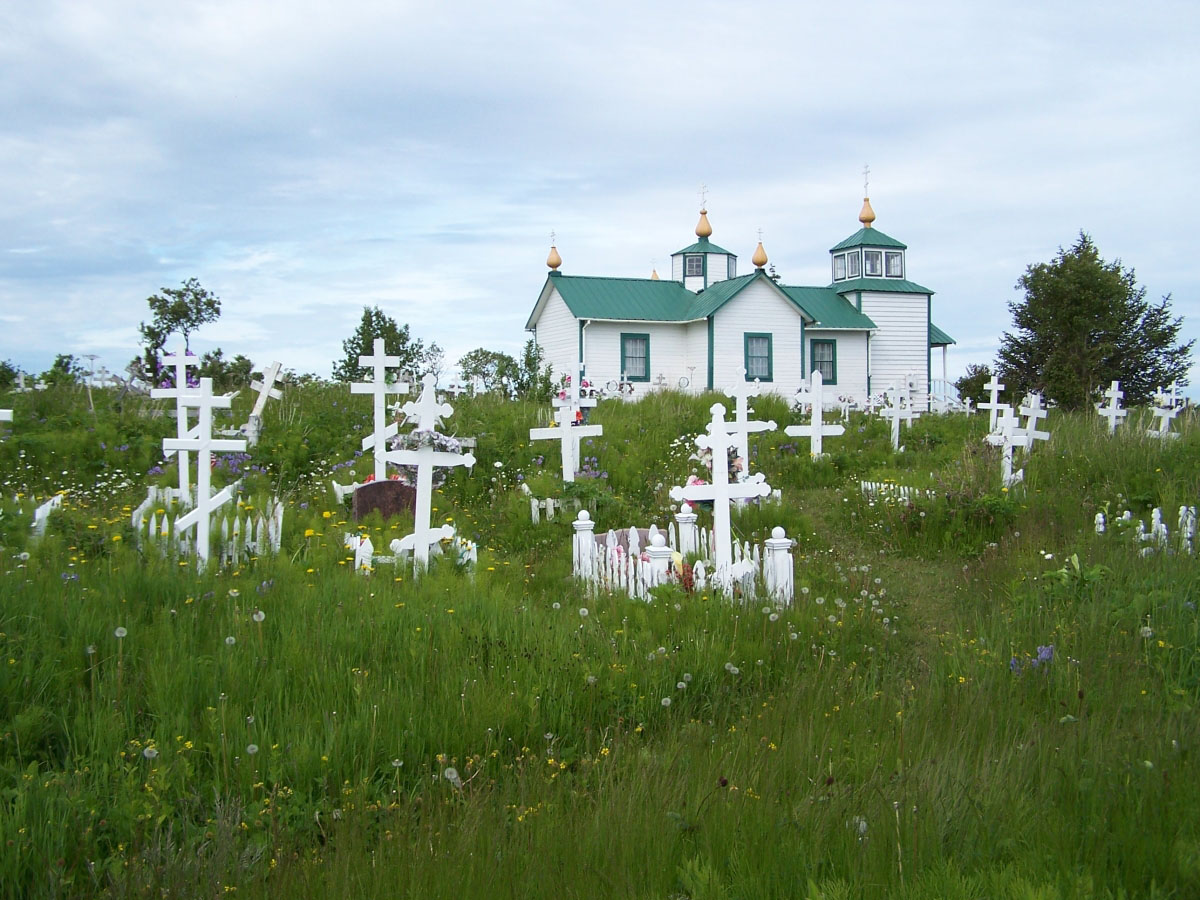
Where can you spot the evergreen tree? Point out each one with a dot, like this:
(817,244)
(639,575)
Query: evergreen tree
(972,382)
(1084,322)
(416,359)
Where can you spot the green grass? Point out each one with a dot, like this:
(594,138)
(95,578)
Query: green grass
(833,751)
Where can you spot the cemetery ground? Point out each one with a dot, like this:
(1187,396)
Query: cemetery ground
(974,694)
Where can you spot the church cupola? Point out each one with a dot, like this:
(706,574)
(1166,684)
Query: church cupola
(868,253)
(703,263)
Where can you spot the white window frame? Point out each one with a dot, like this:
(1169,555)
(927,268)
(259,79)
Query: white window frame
(888,257)
(839,267)
(868,256)
(853,264)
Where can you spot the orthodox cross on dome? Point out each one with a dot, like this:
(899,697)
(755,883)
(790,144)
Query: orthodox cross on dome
(427,413)
(703,195)
(1113,412)
(568,434)
(866,180)
(378,387)
(742,425)
(816,429)
(553,238)
(719,439)
(179,361)
(266,388)
(200,439)
(994,388)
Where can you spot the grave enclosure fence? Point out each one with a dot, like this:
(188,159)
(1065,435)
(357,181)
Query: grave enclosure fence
(243,529)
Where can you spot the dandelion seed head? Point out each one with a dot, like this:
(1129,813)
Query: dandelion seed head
(150,753)
(259,615)
(120,631)
(230,641)
(251,749)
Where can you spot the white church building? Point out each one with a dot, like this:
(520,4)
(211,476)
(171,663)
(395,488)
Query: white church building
(867,329)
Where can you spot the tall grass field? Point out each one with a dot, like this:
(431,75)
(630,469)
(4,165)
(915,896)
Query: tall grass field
(974,694)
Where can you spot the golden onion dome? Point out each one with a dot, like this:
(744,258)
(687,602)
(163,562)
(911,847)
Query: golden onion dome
(554,260)
(867,216)
(654,274)
(760,256)
(703,229)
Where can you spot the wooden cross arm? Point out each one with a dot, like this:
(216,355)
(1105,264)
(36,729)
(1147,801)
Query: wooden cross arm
(273,393)
(198,444)
(369,387)
(389,432)
(438,458)
(218,499)
(431,536)
(6,415)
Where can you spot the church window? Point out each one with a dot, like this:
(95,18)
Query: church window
(824,360)
(873,263)
(693,265)
(853,264)
(758,357)
(839,267)
(732,266)
(635,357)
(895,265)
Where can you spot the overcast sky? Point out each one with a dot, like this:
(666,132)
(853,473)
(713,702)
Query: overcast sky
(304,159)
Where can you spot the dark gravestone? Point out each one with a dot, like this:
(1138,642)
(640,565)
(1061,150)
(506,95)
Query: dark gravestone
(391,498)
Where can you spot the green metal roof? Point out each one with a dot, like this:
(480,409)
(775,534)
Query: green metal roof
(704,245)
(827,307)
(646,299)
(939,338)
(717,295)
(868,237)
(888,285)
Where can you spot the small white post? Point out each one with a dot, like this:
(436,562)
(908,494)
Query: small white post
(583,548)
(660,560)
(689,533)
(777,567)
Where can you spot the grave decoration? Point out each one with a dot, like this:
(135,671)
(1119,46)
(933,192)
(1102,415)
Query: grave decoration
(816,430)
(1008,435)
(184,383)
(379,388)
(992,404)
(721,493)
(1156,539)
(201,440)
(1033,411)
(1113,412)
(419,451)
(571,407)
(742,424)
(1167,405)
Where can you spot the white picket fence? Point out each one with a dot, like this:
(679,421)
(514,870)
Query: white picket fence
(635,560)
(1156,538)
(242,531)
(550,506)
(366,559)
(888,489)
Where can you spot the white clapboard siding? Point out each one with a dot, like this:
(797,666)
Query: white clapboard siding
(668,351)
(759,308)
(851,357)
(558,336)
(901,345)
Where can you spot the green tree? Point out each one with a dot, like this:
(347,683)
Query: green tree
(489,365)
(8,374)
(227,374)
(530,379)
(183,309)
(64,370)
(972,382)
(415,357)
(1084,322)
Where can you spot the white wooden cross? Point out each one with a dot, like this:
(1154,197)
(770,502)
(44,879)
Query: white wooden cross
(572,395)
(426,414)
(266,388)
(203,443)
(993,404)
(816,429)
(1033,411)
(1009,434)
(1113,412)
(908,412)
(179,361)
(894,413)
(22,387)
(568,434)
(742,425)
(1166,408)
(379,388)
(719,439)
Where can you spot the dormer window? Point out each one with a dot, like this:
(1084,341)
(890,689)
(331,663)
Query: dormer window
(839,267)
(873,263)
(853,264)
(693,265)
(895,264)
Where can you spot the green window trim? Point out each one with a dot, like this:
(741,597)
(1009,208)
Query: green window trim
(625,338)
(693,260)
(832,360)
(758,337)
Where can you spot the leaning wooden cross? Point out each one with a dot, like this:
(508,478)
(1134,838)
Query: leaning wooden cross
(426,414)
(1033,411)
(719,439)
(180,362)
(203,443)
(379,388)
(265,389)
(742,425)
(816,429)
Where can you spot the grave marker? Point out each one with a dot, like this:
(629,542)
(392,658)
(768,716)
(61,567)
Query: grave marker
(1113,412)
(816,429)
(719,439)
(993,404)
(379,388)
(1166,408)
(742,424)
(179,361)
(568,434)
(1008,435)
(201,440)
(1033,411)
(427,414)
